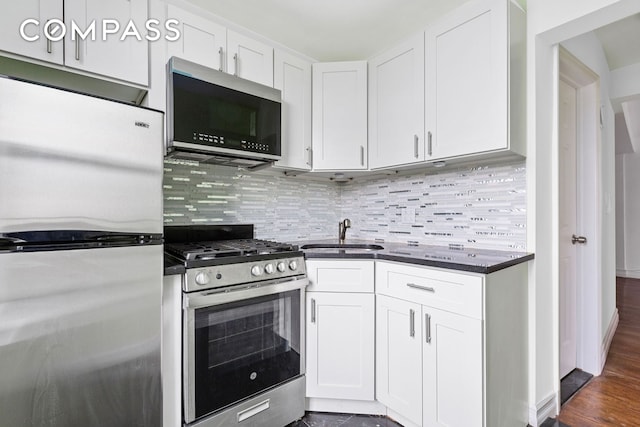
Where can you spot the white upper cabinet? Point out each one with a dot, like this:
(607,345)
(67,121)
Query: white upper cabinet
(396,105)
(42,10)
(202,41)
(249,58)
(339,122)
(126,59)
(472,90)
(292,75)
(208,43)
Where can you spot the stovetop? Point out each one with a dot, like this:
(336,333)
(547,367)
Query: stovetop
(220,249)
(214,245)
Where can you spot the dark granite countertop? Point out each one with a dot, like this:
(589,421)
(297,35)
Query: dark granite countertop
(483,261)
(172,266)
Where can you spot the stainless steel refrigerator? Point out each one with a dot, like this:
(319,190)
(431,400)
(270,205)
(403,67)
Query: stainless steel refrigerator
(80,260)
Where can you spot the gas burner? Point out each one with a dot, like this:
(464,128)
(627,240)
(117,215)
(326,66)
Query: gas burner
(222,251)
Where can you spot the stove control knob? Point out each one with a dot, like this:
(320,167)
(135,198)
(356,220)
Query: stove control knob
(256,270)
(269,269)
(281,267)
(293,265)
(202,279)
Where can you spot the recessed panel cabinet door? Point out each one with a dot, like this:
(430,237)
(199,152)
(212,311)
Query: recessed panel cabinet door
(396,105)
(293,77)
(340,345)
(452,369)
(12,18)
(399,356)
(202,41)
(339,115)
(249,58)
(467,81)
(108,55)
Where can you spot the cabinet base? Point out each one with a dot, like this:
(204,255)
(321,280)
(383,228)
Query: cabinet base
(345,406)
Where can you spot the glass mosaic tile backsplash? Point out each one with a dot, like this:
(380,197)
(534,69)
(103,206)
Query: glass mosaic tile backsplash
(479,207)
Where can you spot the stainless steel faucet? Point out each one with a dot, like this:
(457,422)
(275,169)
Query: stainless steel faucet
(342,229)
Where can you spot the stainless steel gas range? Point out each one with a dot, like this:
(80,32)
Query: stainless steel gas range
(242,313)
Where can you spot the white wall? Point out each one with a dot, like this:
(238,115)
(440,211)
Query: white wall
(620,214)
(548,23)
(631,177)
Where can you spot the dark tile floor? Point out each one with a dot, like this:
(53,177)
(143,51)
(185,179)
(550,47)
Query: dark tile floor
(321,419)
(553,423)
(572,383)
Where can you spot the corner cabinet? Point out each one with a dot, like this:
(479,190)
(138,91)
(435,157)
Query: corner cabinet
(396,105)
(444,338)
(340,335)
(126,60)
(475,81)
(339,122)
(292,75)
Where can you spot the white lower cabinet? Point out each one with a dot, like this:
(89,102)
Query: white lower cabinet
(399,357)
(340,345)
(450,346)
(340,327)
(451,369)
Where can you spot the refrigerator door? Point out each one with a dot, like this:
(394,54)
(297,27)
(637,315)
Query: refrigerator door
(74,162)
(80,338)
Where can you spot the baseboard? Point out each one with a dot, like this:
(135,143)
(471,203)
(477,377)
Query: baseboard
(608,338)
(345,406)
(546,408)
(629,274)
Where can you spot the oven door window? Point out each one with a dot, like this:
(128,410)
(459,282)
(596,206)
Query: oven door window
(244,347)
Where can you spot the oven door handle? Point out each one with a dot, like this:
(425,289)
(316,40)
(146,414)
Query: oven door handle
(210,298)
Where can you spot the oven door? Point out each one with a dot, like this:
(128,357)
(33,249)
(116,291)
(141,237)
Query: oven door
(239,343)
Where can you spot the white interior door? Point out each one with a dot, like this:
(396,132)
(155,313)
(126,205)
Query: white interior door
(568,202)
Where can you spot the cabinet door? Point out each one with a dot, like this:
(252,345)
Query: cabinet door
(126,59)
(467,81)
(396,105)
(339,116)
(452,370)
(11,20)
(340,275)
(340,345)
(292,76)
(202,41)
(399,357)
(249,58)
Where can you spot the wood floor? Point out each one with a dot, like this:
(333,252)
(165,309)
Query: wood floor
(613,398)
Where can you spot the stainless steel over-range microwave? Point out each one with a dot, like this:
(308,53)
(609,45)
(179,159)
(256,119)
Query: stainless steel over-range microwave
(220,118)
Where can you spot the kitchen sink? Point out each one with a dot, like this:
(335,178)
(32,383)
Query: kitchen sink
(360,246)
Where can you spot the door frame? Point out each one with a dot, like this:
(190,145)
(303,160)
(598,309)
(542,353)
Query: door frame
(588,183)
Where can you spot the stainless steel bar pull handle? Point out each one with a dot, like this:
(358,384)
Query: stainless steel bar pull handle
(362,155)
(427,327)
(235,64)
(412,323)
(422,288)
(77,48)
(415,146)
(578,239)
(313,310)
(49,42)
(221,53)
(309,162)
(429,144)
